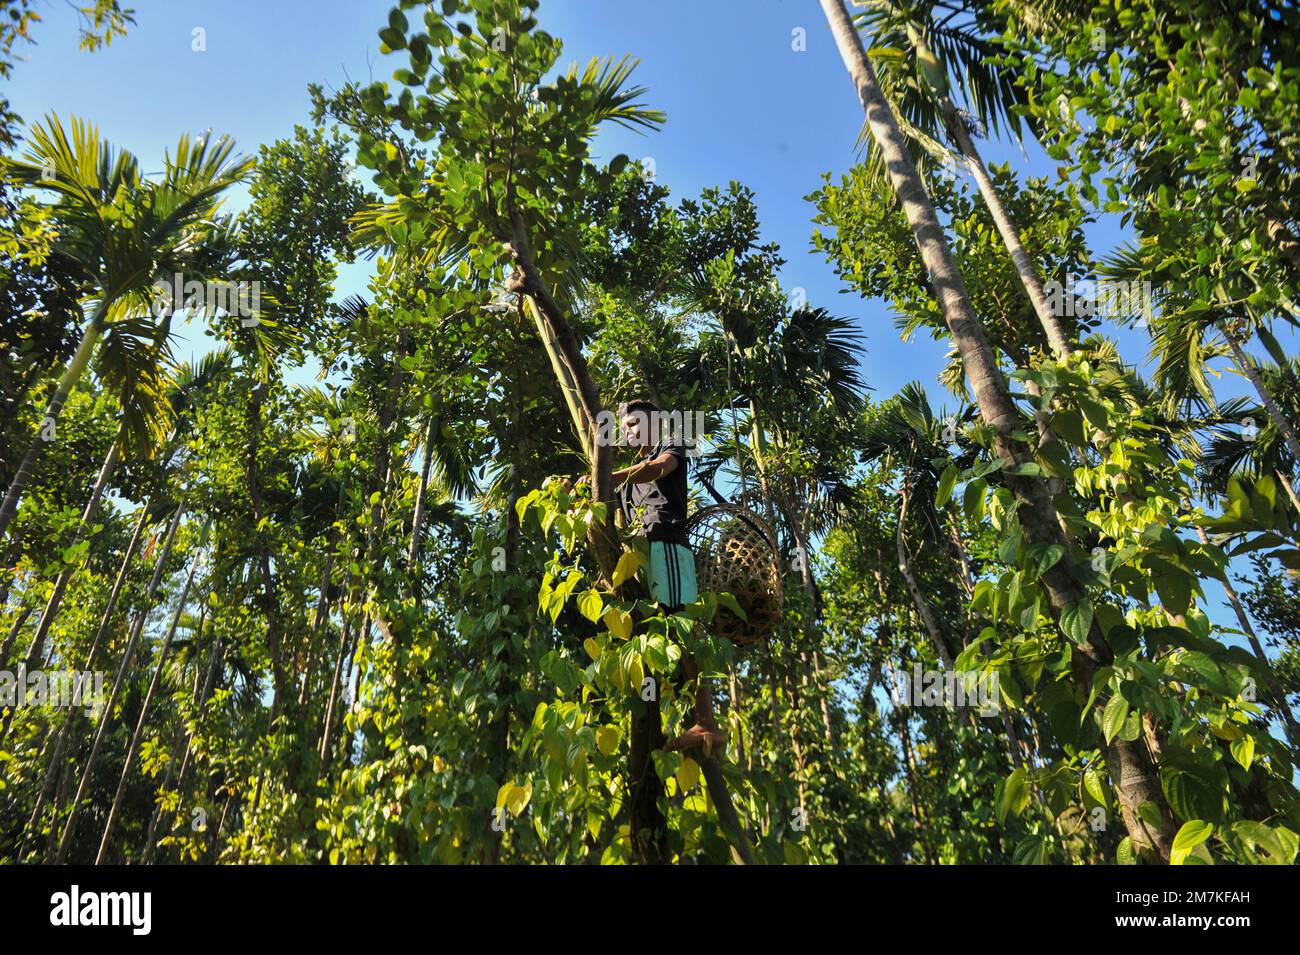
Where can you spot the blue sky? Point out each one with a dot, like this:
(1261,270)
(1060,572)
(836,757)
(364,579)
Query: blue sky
(741,102)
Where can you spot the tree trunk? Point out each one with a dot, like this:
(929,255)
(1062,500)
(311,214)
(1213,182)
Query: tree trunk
(61,584)
(213,663)
(71,375)
(417,518)
(270,602)
(1274,690)
(70,722)
(107,716)
(922,605)
(134,748)
(648,825)
(1251,371)
(1053,327)
(1135,775)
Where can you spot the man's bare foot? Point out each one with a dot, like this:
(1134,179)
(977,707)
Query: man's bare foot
(707,740)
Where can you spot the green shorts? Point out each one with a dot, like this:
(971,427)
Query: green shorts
(672,575)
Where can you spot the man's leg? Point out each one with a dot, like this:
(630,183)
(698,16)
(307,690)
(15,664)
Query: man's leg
(705,734)
(672,576)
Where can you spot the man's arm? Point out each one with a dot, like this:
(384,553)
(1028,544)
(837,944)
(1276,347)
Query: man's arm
(646,471)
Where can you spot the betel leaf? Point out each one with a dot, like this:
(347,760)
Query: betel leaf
(1069,425)
(1243,751)
(1076,620)
(607,740)
(627,567)
(1032,850)
(1191,795)
(1175,591)
(591,605)
(1049,558)
(688,774)
(1095,412)
(1113,717)
(973,499)
(1124,854)
(1095,785)
(1190,835)
(619,622)
(732,604)
(1013,795)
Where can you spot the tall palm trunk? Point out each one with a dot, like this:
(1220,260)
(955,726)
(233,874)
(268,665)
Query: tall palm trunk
(1130,763)
(268,598)
(795,520)
(1274,689)
(648,825)
(923,607)
(959,133)
(23,614)
(106,717)
(71,375)
(61,584)
(53,771)
(1248,367)
(151,839)
(421,491)
(143,719)
(182,737)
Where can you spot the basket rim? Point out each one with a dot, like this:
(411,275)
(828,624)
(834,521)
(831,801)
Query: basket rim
(741,511)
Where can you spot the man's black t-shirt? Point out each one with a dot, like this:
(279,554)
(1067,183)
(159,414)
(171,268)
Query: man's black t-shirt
(663,502)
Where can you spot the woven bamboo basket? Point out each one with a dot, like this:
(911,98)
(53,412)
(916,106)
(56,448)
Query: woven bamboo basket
(736,553)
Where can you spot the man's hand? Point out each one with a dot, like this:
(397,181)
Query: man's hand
(572,484)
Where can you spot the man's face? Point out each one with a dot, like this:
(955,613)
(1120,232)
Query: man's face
(636,429)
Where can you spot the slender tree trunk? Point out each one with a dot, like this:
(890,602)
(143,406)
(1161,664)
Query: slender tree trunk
(183,743)
(796,524)
(1280,420)
(1290,489)
(648,825)
(16,629)
(558,337)
(1131,766)
(64,578)
(909,768)
(958,132)
(71,375)
(922,605)
(107,716)
(72,720)
(1275,691)
(1052,324)
(331,704)
(151,844)
(134,748)
(270,602)
(417,518)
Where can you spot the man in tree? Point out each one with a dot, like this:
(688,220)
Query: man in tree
(653,490)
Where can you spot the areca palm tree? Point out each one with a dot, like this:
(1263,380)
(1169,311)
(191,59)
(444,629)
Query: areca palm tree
(1246,439)
(124,231)
(924,47)
(1040,519)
